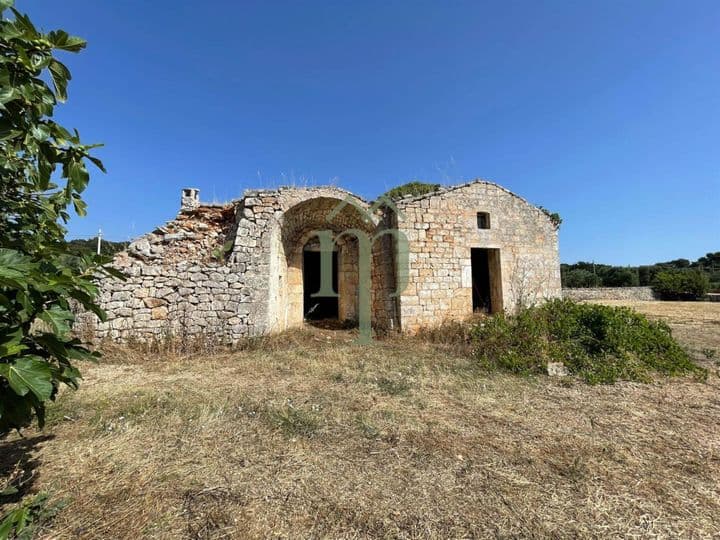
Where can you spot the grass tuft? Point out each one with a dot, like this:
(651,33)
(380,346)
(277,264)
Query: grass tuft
(294,421)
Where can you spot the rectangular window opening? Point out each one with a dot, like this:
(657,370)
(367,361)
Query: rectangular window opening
(483,220)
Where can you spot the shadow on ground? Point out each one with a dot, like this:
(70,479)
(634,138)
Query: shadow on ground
(18,465)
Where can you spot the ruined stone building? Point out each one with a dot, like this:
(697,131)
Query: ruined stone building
(249,267)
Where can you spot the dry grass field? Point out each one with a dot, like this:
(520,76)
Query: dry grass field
(311,436)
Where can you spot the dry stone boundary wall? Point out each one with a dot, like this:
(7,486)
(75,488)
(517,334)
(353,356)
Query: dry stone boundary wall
(610,293)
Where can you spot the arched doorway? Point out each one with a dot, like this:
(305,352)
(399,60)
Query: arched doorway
(297,262)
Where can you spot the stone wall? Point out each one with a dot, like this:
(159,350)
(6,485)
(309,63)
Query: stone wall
(384,280)
(196,235)
(443,227)
(224,270)
(610,293)
(235,270)
(177,300)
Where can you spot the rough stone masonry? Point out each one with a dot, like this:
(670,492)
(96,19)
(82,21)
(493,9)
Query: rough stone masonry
(247,267)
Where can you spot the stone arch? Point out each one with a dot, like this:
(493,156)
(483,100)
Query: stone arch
(296,227)
(289,197)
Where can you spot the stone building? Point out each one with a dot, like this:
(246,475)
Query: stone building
(250,267)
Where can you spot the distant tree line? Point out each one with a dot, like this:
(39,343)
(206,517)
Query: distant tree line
(680,278)
(88,246)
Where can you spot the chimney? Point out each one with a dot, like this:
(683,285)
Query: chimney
(189,199)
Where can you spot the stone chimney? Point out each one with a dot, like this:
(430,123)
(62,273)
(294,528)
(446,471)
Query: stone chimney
(189,199)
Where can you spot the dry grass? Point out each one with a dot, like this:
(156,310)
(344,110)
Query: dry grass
(312,436)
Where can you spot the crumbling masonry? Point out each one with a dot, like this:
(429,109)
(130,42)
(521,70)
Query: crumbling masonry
(248,267)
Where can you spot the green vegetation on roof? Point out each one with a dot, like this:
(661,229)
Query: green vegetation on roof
(413,188)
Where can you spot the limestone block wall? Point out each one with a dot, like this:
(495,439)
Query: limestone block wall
(442,228)
(228,271)
(182,282)
(177,300)
(385,300)
(610,293)
(235,270)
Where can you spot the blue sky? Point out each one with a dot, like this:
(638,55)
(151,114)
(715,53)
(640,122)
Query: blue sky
(607,112)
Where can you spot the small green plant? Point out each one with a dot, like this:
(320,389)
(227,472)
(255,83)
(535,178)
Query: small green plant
(220,253)
(601,344)
(554,217)
(709,353)
(294,421)
(22,521)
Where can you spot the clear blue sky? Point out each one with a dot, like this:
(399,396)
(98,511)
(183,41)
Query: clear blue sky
(607,112)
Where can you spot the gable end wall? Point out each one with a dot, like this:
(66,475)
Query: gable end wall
(441,230)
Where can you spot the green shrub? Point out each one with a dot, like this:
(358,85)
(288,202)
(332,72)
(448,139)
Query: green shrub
(629,276)
(601,344)
(411,188)
(554,217)
(681,284)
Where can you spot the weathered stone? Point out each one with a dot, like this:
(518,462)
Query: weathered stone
(159,313)
(154,302)
(176,275)
(164,292)
(174,237)
(557,369)
(140,246)
(141,292)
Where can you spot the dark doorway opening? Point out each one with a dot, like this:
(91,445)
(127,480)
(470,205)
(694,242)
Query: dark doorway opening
(487,295)
(481,294)
(318,307)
